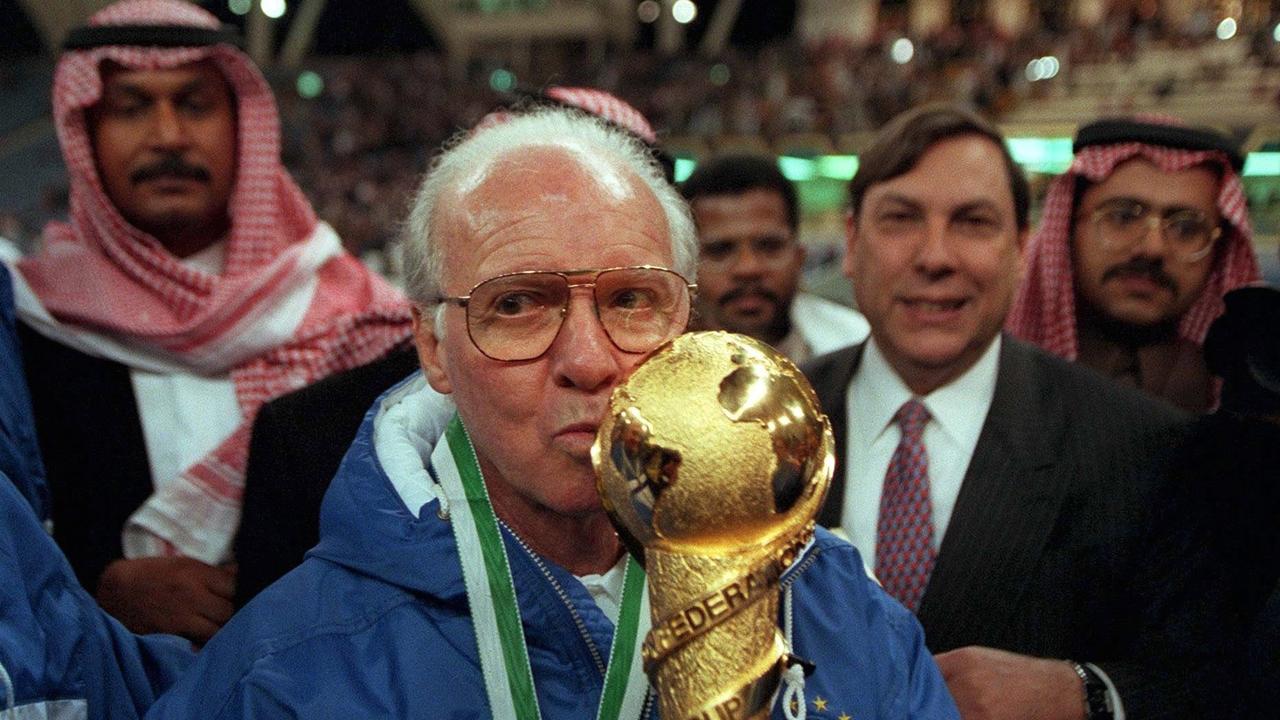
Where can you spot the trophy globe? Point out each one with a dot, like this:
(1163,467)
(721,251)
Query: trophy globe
(712,462)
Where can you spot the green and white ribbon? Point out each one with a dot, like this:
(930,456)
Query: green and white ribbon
(495,614)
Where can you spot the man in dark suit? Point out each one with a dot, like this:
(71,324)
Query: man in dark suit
(291,469)
(1013,501)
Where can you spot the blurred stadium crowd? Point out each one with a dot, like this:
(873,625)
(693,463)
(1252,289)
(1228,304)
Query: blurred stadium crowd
(359,130)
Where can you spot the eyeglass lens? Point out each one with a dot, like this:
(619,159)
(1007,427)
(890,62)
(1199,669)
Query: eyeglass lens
(517,317)
(1121,223)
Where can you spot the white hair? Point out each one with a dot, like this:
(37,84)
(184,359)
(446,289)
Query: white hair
(585,135)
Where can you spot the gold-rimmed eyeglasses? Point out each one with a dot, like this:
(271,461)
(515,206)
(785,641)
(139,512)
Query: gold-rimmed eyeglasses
(516,316)
(1122,223)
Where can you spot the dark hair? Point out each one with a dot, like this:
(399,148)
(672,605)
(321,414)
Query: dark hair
(901,143)
(737,174)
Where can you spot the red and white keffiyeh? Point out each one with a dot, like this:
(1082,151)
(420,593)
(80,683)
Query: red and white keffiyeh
(611,108)
(104,286)
(603,105)
(1044,309)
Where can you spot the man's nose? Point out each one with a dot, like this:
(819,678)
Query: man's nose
(746,262)
(933,252)
(1151,243)
(168,128)
(582,355)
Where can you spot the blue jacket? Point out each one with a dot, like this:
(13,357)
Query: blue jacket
(19,454)
(59,652)
(375,623)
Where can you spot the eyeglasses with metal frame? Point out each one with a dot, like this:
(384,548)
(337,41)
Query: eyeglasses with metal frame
(516,316)
(1121,223)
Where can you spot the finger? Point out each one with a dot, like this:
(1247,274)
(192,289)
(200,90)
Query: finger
(220,582)
(197,629)
(212,608)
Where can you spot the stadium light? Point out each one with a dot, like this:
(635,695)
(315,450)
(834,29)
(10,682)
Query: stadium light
(684,168)
(1227,29)
(1044,155)
(837,167)
(240,7)
(1041,154)
(309,84)
(274,9)
(648,11)
(1262,164)
(902,51)
(719,74)
(502,80)
(1043,68)
(684,11)
(796,169)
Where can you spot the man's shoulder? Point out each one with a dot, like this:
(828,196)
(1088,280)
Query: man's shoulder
(355,388)
(1028,369)
(868,649)
(841,361)
(827,325)
(832,564)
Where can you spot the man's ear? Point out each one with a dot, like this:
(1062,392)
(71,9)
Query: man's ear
(428,345)
(850,239)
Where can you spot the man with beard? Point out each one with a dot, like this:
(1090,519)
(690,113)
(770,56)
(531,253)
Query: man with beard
(750,257)
(1141,238)
(192,283)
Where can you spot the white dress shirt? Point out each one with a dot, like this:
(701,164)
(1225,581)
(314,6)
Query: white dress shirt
(957,412)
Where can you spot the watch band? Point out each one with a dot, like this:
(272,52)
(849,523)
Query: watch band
(1097,701)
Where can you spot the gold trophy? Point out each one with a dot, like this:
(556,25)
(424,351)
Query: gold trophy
(713,461)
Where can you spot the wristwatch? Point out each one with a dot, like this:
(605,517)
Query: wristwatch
(1097,701)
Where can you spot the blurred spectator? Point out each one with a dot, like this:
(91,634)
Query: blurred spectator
(750,257)
(1141,238)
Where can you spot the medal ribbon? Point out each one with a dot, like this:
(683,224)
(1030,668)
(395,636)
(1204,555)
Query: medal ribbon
(504,657)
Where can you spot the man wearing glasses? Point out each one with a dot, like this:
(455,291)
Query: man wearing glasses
(1140,239)
(750,258)
(466,567)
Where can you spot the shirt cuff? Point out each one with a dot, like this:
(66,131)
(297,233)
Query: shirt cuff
(1117,707)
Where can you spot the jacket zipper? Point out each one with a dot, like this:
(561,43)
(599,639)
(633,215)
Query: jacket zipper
(647,710)
(564,598)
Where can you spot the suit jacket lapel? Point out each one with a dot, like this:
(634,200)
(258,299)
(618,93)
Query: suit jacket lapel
(831,384)
(1007,506)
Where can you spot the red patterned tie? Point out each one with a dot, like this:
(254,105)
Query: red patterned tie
(904,534)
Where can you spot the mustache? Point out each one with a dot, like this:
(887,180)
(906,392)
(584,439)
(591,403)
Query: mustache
(1149,268)
(744,290)
(169,166)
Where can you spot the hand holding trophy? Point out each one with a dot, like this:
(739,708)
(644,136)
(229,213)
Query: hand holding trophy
(713,461)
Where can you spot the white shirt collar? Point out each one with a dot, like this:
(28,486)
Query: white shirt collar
(959,407)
